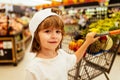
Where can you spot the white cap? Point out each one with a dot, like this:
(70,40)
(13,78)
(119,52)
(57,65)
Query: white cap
(38,18)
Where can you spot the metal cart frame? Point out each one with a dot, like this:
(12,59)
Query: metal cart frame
(91,66)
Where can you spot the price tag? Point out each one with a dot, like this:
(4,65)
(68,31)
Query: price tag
(7,45)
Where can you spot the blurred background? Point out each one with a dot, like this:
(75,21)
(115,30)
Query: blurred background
(79,17)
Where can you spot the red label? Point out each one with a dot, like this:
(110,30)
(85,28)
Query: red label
(1,44)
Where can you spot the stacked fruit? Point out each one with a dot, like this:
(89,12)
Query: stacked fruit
(107,24)
(75,44)
(98,45)
(103,39)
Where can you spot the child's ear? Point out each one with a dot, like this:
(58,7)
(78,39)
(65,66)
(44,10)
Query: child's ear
(57,11)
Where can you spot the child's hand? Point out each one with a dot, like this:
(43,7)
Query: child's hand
(90,38)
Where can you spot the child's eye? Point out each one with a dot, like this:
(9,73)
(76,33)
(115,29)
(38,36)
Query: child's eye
(58,31)
(47,31)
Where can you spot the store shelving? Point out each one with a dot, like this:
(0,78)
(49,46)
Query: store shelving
(12,48)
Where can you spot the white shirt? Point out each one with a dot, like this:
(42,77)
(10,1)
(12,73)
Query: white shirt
(82,21)
(51,69)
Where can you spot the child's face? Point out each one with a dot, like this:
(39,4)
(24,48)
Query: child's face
(50,38)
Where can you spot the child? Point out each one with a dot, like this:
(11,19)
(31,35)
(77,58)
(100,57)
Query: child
(51,62)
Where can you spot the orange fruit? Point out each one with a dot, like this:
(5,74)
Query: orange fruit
(79,42)
(72,45)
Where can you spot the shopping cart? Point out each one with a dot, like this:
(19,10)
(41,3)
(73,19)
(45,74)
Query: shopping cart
(93,64)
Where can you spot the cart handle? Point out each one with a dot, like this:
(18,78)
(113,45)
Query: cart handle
(114,32)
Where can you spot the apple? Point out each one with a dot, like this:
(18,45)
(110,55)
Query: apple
(103,39)
(79,43)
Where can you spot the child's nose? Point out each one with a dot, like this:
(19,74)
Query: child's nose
(54,34)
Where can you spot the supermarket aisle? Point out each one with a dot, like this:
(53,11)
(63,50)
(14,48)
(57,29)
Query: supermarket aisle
(10,72)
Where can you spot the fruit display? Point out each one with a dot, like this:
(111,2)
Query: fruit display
(95,48)
(9,26)
(14,26)
(103,39)
(3,25)
(107,24)
(100,26)
(75,44)
(104,43)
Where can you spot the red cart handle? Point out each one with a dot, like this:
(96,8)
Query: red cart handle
(114,32)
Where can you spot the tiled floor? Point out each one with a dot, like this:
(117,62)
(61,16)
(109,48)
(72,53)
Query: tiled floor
(10,72)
